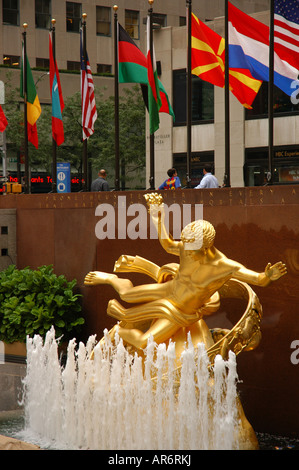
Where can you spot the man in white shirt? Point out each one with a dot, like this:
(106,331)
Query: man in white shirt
(208,180)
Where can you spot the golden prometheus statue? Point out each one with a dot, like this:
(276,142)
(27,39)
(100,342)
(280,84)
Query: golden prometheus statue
(185,292)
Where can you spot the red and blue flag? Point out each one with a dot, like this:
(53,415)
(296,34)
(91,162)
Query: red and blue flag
(57,99)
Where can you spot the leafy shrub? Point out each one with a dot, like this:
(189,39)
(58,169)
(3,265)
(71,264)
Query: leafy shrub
(31,301)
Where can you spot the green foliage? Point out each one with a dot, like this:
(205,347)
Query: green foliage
(101,145)
(31,301)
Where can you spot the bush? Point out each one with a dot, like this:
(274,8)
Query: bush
(31,301)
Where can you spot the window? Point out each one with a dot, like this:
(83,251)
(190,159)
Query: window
(285,165)
(11,60)
(42,13)
(42,63)
(183,20)
(132,23)
(198,161)
(104,21)
(104,68)
(73,16)
(11,12)
(202,99)
(282,103)
(159,19)
(72,65)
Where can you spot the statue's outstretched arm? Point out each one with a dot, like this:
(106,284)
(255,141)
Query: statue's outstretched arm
(271,273)
(156,210)
(168,243)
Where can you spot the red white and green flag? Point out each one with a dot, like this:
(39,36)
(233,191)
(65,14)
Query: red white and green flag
(132,68)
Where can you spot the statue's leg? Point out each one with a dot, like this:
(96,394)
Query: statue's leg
(125,288)
(161,329)
(145,292)
(98,277)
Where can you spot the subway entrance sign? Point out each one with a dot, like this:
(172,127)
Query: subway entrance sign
(63,177)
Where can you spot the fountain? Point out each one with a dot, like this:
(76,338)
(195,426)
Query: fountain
(159,379)
(112,401)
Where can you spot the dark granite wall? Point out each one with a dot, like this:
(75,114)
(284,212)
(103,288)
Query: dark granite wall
(253,226)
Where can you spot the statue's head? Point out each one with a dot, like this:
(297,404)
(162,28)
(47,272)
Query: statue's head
(197,235)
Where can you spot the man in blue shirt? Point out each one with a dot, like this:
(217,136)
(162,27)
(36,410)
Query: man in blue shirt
(208,180)
(100,184)
(173,182)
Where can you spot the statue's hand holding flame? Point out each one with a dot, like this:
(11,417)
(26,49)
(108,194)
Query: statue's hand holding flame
(153,199)
(155,206)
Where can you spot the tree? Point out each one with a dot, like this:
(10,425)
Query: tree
(100,145)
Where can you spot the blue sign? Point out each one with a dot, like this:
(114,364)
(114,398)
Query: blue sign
(63,177)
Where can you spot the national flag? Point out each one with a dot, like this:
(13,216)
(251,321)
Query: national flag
(286,31)
(33,104)
(249,45)
(57,99)
(154,99)
(89,110)
(207,53)
(208,62)
(3,120)
(132,68)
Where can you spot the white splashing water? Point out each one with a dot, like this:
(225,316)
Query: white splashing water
(111,402)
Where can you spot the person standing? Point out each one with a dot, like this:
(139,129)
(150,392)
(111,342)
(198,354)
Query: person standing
(173,182)
(100,184)
(208,180)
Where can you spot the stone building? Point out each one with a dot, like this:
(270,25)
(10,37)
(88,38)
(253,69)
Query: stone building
(249,130)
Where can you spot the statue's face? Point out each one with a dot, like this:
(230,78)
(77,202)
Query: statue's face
(197,255)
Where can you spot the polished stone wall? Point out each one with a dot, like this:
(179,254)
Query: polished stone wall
(8,231)
(254,226)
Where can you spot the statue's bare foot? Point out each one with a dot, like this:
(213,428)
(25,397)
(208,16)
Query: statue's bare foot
(98,277)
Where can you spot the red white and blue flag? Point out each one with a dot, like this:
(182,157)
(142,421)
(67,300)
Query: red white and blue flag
(249,46)
(89,110)
(57,99)
(208,62)
(286,31)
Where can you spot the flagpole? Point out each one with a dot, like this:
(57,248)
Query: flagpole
(152,136)
(85,170)
(189,95)
(54,146)
(270,95)
(116,100)
(26,172)
(227,109)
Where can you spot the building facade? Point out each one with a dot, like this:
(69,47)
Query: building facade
(249,161)
(248,131)
(131,15)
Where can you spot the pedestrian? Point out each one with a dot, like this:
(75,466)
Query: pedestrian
(208,180)
(173,182)
(100,184)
